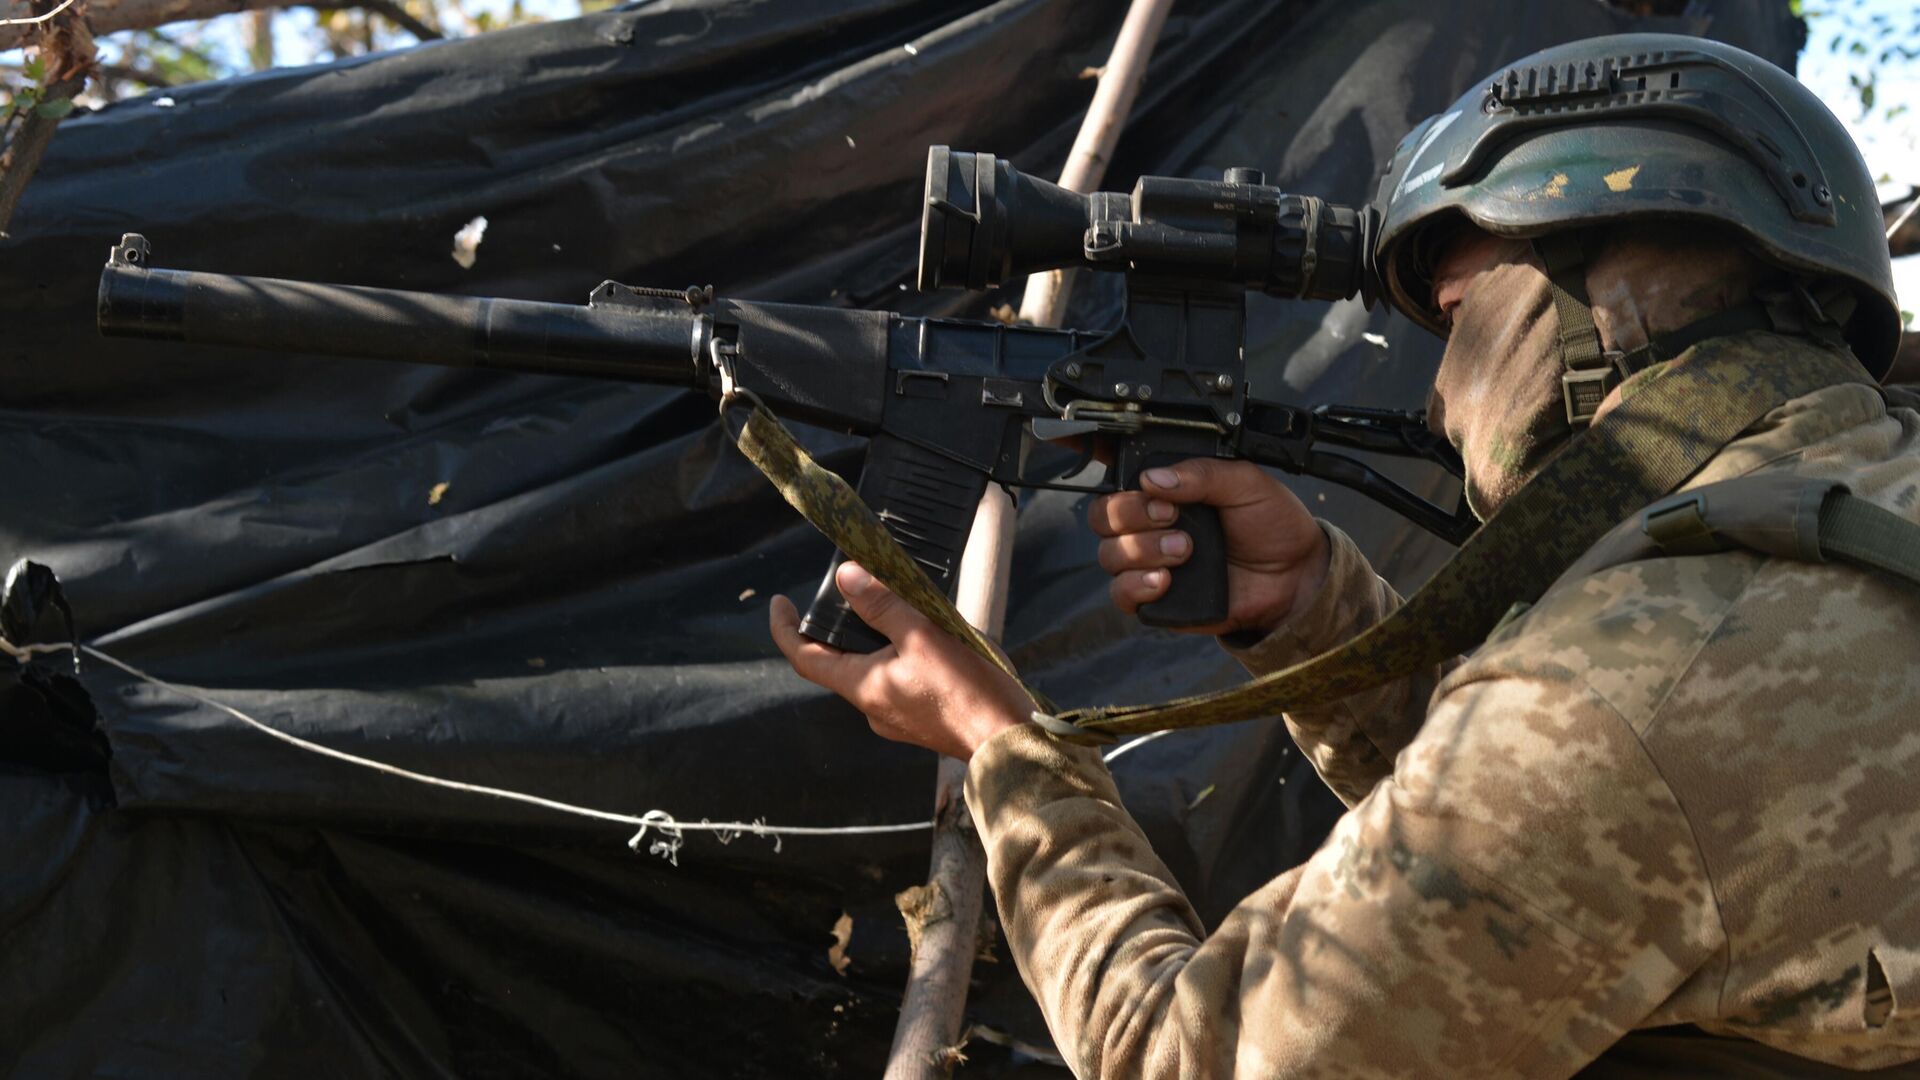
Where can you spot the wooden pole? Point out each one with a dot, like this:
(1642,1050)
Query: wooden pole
(1045,302)
(943,916)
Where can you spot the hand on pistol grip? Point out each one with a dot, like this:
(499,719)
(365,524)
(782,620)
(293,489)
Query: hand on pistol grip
(1208,545)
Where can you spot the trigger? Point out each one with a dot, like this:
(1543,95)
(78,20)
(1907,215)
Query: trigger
(1050,429)
(1080,466)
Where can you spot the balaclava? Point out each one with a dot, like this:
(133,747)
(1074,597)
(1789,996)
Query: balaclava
(1497,395)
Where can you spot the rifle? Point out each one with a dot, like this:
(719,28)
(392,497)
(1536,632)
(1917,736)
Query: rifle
(947,405)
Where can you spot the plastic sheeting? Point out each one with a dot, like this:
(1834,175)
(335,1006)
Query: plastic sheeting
(558,586)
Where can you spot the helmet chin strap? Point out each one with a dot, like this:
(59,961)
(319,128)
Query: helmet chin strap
(1589,372)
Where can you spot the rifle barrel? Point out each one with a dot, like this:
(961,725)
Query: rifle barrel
(609,342)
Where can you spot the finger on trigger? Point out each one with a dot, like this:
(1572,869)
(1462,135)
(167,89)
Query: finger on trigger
(1185,482)
(1211,480)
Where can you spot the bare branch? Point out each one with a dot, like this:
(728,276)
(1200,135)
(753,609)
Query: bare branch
(197,55)
(1903,225)
(110,16)
(397,15)
(135,73)
(35,20)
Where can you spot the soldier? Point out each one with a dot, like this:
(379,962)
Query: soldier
(1664,820)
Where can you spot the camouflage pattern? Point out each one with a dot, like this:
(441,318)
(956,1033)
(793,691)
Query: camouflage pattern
(1497,394)
(1518,165)
(1673,791)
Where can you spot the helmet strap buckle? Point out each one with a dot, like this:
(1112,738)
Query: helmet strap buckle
(1584,389)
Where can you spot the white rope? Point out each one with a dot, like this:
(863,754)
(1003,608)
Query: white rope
(670,833)
(1131,743)
(38,18)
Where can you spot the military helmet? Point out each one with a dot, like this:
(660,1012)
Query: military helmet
(1638,127)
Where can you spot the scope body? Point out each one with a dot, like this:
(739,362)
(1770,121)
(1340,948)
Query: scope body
(986,222)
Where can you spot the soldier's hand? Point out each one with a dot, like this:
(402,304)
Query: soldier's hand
(925,688)
(1276,554)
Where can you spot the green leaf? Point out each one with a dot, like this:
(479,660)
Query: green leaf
(1906,317)
(55,109)
(35,70)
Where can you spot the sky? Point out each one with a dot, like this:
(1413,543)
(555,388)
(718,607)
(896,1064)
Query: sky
(1891,146)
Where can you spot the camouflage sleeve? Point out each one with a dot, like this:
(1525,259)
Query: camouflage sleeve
(1352,743)
(1522,891)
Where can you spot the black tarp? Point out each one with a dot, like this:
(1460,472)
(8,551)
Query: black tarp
(542,583)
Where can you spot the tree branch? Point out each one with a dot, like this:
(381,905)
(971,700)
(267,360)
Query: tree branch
(134,73)
(29,144)
(197,55)
(65,60)
(397,15)
(1904,223)
(110,16)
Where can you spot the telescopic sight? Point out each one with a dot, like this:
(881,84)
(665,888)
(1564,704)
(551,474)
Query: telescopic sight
(985,222)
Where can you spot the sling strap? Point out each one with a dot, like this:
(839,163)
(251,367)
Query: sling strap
(832,506)
(1667,425)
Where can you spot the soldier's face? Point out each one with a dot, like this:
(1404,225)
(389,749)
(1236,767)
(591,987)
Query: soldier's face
(1463,257)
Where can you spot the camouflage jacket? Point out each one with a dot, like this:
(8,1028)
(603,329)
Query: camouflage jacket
(1678,791)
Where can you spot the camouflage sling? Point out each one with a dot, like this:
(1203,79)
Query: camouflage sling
(1667,425)
(830,505)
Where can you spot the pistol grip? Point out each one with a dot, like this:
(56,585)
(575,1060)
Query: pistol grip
(1196,589)
(927,503)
